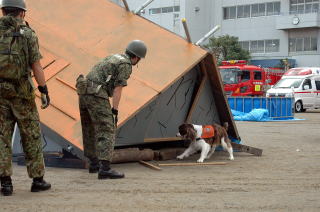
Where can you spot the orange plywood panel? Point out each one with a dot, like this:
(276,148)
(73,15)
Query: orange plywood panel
(55,68)
(168,57)
(47,57)
(82,22)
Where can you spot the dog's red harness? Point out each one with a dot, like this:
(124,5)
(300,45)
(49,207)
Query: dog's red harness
(207,131)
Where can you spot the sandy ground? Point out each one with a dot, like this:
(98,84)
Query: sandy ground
(285,178)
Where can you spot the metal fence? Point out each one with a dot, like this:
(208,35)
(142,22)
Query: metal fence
(279,108)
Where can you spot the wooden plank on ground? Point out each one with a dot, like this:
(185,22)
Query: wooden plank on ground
(168,153)
(150,165)
(150,140)
(248,149)
(192,164)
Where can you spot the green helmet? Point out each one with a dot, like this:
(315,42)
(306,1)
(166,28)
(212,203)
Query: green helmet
(138,48)
(14,3)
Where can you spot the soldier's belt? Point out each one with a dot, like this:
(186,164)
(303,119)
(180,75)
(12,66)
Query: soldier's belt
(96,89)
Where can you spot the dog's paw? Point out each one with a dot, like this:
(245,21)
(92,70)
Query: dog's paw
(200,160)
(180,157)
(231,158)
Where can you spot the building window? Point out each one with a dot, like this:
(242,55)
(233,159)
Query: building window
(304,6)
(272,45)
(245,45)
(153,11)
(273,8)
(303,44)
(243,11)
(314,44)
(261,46)
(292,45)
(252,10)
(167,9)
(257,46)
(258,10)
(229,13)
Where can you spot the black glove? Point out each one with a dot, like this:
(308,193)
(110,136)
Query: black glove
(115,116)
(45,99)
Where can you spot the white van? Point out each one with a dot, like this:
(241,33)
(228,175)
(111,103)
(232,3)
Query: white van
(301,83)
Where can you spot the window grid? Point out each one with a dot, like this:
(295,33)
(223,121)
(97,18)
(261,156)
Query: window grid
(159,10)
(304,6)
(261,46)
(252,10)
(303,44)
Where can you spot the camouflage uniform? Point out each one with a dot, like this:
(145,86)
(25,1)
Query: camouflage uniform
(17,105)
(98,127)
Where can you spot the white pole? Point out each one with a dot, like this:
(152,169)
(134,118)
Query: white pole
(216,28)
(137,11)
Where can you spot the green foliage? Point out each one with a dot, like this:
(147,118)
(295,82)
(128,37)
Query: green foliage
(227,47)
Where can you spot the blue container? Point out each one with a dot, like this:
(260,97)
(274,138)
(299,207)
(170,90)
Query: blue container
(279,108)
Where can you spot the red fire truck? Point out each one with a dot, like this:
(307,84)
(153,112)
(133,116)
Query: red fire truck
(240,79)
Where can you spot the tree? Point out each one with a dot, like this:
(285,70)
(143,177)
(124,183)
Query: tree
(227,47)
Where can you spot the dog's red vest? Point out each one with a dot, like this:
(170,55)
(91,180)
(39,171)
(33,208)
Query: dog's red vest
(207,131)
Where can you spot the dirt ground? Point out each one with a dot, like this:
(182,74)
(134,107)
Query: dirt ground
(285,178)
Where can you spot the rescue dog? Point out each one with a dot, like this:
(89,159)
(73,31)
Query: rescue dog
(205,138)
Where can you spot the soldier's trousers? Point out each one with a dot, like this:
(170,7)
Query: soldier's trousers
(24,113)
(98,129)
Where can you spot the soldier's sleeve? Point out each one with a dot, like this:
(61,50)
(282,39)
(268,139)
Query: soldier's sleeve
(123,74)
(33,48)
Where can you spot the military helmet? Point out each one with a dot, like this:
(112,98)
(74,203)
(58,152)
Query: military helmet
(138,48)
(14,3)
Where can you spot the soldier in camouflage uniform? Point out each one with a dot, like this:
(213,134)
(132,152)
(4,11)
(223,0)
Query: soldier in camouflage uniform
(98,118)
(17,99)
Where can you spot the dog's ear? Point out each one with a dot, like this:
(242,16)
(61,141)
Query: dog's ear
(191,133)
(183,129)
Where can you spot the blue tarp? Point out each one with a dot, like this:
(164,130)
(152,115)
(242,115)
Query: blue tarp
(255,115)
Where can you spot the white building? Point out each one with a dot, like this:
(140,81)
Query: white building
(270,29)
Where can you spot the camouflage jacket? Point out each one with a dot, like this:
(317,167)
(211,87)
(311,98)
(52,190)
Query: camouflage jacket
(111,72)
(23,88)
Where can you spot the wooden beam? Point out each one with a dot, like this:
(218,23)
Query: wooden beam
(125,3)
(132,155)
(200,89)
(149,165)
(186,30)
(66,83)
(248,149)
(192,164)
(150,140)
(221,100)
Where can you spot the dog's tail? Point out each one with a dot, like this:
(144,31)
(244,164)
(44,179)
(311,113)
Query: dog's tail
(226,125)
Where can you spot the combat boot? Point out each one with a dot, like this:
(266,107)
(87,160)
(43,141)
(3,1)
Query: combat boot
(105,172)
(6,186)
(93,165)
(39,184)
